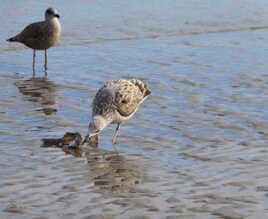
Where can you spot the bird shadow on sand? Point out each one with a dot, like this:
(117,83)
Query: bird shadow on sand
(39,90)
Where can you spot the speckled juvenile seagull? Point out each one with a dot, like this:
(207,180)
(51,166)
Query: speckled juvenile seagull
(41,35)
(116,102)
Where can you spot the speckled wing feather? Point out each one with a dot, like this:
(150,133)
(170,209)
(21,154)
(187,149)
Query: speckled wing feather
(121,95)
(128,96)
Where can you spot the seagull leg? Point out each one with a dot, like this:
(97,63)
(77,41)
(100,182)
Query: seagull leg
(116,133)
(33,63)
(45,65)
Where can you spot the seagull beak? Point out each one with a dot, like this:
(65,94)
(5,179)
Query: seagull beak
(94,138)
(57,15)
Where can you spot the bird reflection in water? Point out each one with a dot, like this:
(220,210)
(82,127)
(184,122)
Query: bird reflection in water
(110,170)
(40,90)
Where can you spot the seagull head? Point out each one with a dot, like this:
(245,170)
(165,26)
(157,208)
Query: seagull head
(51,13)
(97,124)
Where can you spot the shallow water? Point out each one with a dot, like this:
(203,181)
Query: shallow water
(196,148)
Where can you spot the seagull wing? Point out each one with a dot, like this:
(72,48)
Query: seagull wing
(35,31)
(128,96)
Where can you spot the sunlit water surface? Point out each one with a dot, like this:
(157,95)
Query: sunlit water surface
(196,148)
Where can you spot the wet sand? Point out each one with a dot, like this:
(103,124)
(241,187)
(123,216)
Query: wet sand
(196,148)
